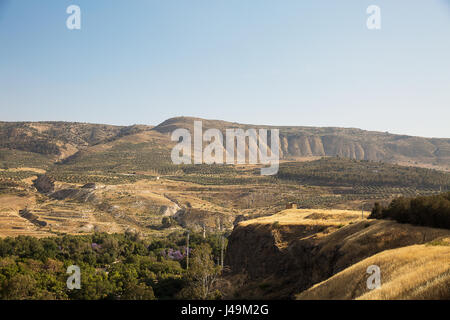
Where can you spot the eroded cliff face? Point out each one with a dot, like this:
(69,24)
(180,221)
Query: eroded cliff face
(318,146)
(360,147)
(279,261)
(300,141)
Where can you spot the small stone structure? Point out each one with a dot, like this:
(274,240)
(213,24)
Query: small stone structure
(291,206)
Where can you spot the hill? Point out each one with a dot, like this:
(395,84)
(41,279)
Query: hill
(412,272)
(283,255)
(301,141)
(56,140)
(60,140)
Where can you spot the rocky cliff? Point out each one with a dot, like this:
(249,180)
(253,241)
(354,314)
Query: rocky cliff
(279,256)
(300,141)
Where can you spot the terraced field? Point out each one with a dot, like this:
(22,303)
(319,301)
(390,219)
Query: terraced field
(11,224)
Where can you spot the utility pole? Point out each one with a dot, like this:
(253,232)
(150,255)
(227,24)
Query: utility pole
(221,241)
(221,251)
(187,251)
(362,211)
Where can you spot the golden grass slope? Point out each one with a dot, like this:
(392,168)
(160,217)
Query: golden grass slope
(412,272)
(324,254)
(309,217)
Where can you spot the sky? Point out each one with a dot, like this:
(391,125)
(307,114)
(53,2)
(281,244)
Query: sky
(284,62)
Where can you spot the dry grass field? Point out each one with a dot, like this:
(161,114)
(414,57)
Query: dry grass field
(324,254)
(11,224)
(412,272)
(332,217)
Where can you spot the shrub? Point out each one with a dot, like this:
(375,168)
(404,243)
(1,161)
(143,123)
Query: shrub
(275,225)
(431,211)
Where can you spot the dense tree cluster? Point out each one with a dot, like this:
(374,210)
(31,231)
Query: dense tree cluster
(119,266)
(431,211)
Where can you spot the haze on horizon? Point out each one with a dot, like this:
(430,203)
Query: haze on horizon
(286,63)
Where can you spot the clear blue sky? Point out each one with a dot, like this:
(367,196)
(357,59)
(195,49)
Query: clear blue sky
(286,62)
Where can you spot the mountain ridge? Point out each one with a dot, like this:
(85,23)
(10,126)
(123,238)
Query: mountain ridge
(61,140)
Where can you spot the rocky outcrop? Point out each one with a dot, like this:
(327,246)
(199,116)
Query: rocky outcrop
(82,195)
(169,211)
(44,184)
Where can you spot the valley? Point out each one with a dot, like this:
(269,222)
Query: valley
(298,234)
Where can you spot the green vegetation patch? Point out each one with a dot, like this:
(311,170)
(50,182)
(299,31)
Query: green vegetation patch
(430,211)
(344,172)
(113,266)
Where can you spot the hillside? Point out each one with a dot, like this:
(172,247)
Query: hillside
(412,272)
(300,142)
(344,172)
(57,140)
(285,254)
(60,140)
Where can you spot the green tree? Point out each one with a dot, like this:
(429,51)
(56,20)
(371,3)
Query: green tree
(377,211)
(202,275)
(19,287)
(133,291)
